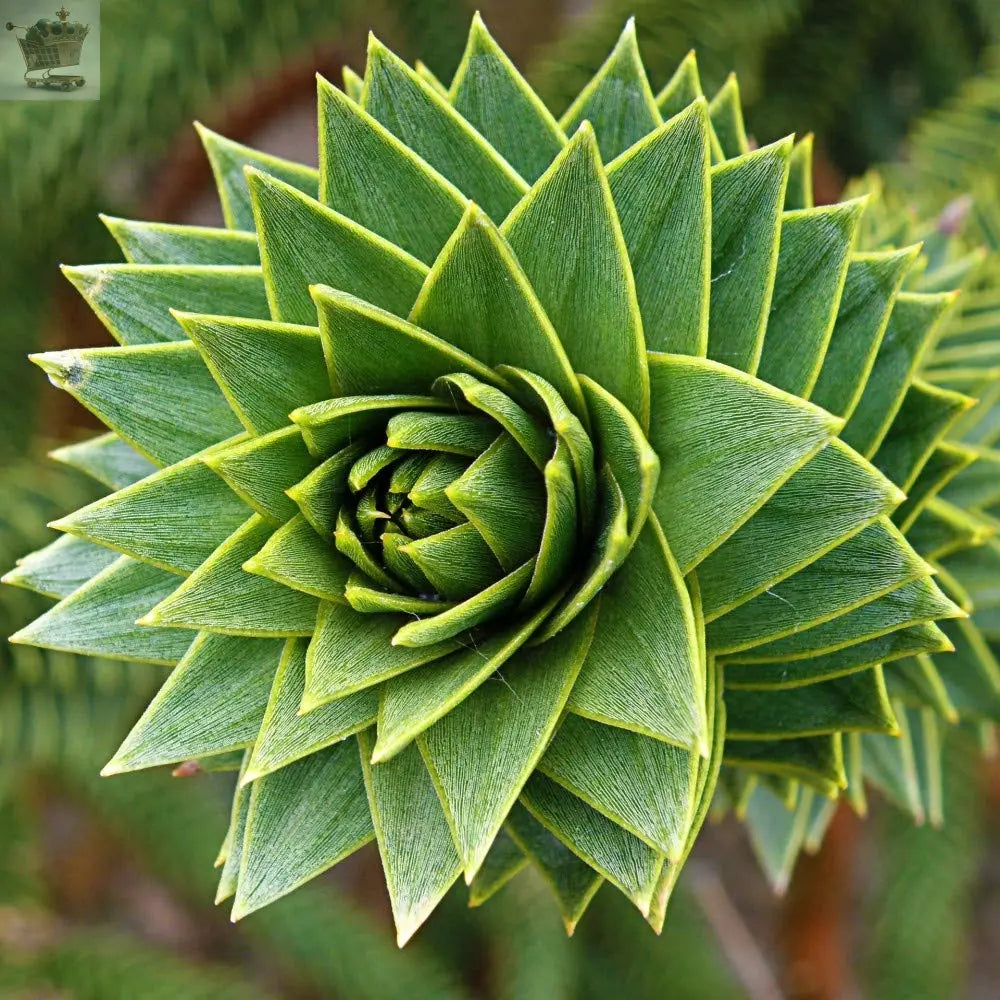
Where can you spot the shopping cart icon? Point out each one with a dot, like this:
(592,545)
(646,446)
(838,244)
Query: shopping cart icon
(47,45)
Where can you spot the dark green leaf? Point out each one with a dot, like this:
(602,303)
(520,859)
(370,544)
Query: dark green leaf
(618,100)
(221,597)
(567,237)
(660,186)
(99,619)
(303,243)
(160,398)
(212,702)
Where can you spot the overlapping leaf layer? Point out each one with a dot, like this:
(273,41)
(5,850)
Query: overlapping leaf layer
(489,487)
(940,449)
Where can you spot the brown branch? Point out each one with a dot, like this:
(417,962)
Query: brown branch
(815,915)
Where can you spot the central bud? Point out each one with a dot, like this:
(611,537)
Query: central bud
(467,509)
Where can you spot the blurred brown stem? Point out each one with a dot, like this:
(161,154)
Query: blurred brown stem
(815,916)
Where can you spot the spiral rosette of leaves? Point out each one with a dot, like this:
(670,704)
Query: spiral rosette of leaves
(450,474)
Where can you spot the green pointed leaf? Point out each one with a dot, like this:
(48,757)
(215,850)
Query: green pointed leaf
(99,619)
(318,496)
(174,519)
(352,651)
(418,857)
(941,466)
(979,570)
(659,187)
(60,568)
(538,394)
(424,72)
(228,161)
(926,414)
(353,84)
(568,239)
(370,464)
(298,558)
(681,89)
(402,565)
(285,844)
(812,267)
(458,562)
(357,549)
(134,300)
(866,566)
(419,116)
(368,175)
(490,94)
(428,490)
(334,424)
(481,753)
(873,280)
(917,682)
(160,398)
(486,605)
(609,550)
(358,338)
(726,112)
(942,528)
(467,434)
(164,243)
(922,638)
(362,596)
(643,784)
(977,485)
(106,458)
(643,671)
(555,551)
(517,422)
(830,498)
(407,472)
(978,425)
(243,356)
(285,736)
(624,860)
(799,193)
(706,784)
(478,298)
(815,760)
(504,860)
(820,817)
(910,332)
(413,702)
(305,243)
(573,882)
(888,764)
(918,601)
(747,197)
(212,702)
(260,469)
(221,597)
(623,446)
(971,674)
(760,436)
(856,702)
(502,494)
(232,848)
(777,833)
(617,101)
